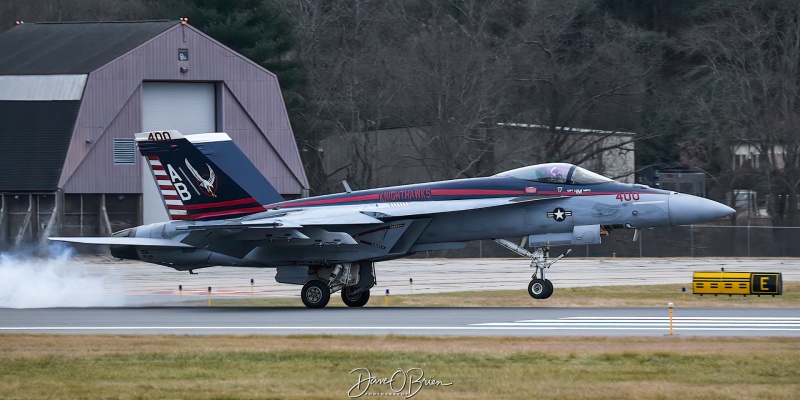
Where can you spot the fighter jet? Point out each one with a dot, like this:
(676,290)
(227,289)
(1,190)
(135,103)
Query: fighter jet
(225,213)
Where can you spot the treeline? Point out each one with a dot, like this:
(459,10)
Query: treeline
(696,79)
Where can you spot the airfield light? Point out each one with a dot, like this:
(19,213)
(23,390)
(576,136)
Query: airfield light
(209,296)
(411,285)
(180,292)
(386,302)
(252,290)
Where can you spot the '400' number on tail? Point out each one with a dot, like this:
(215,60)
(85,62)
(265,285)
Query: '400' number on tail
(159,136)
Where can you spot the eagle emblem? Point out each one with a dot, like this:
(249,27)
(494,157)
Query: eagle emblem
(207,185)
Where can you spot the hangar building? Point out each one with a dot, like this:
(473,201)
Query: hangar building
(73,94)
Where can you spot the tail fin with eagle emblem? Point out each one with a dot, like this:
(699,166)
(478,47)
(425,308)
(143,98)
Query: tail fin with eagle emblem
(204,176)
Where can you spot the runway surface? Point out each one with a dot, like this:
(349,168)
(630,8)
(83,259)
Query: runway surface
(405,321)
(140,298)
(86,282)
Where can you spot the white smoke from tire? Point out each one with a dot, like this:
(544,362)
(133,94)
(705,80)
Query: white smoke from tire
(49,279)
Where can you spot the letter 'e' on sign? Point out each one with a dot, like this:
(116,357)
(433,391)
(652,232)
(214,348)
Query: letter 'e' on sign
(765,283)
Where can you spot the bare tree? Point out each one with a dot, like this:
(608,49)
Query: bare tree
(457,76)
(580,68)
(746,90)
(374,66)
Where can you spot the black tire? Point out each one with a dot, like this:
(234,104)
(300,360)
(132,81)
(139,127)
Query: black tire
(549,291)
(536,288)
(315,294)
(358,300)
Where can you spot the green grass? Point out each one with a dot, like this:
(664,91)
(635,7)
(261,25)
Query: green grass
(169,367)
(597,296)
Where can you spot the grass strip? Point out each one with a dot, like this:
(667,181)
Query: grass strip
(318,367)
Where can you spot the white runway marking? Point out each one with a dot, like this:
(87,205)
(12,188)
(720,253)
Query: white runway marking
(570,323)
(660,323)
(372,328)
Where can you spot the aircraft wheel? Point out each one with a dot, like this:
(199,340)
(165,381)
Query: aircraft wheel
(537,288)
(549,290)
(315,294)
(357,300)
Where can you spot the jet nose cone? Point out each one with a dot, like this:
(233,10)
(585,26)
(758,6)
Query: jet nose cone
(685,209)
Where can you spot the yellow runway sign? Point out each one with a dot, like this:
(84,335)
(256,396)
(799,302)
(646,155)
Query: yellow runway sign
(739,283)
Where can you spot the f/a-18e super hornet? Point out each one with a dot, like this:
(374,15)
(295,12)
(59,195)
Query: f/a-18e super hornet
(225,213)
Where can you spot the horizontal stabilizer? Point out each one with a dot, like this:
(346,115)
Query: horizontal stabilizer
(121,241)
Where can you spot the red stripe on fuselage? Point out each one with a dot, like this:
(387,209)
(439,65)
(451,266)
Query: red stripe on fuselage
(474,192)
(583,193)
(434,192)
(250,210)
(249,201)
(448,193)
(348,199)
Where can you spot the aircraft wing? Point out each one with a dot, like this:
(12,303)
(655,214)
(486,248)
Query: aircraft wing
(122,241)
(296,218)
(436,207)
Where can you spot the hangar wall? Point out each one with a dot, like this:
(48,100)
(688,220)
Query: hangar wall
(252,107)
(94,195)
(188,107)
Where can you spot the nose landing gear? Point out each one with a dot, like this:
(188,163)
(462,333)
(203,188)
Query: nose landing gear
(539,287)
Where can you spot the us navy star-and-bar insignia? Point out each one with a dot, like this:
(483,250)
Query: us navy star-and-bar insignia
(559,214)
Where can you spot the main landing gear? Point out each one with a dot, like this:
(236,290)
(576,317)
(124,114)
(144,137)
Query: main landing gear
(315,294)
(352,298)
(353,279)
(539,287)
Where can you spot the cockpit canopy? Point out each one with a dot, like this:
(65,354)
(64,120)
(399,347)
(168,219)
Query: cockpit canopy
(560,173)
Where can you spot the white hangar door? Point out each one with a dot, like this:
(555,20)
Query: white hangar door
(186,107)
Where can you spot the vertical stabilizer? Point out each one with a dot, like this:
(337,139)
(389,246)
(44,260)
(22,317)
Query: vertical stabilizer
(193,185)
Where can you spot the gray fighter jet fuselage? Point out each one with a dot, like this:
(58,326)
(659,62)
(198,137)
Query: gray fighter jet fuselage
(329,243)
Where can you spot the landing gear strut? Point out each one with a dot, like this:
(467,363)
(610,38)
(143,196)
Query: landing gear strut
(539,287)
